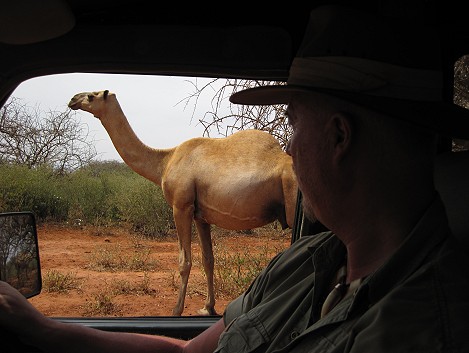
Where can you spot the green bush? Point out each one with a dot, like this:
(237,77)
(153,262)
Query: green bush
(88,196)
(35,190)
(144,207)
(102,193)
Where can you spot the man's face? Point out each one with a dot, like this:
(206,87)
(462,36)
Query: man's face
(310,154)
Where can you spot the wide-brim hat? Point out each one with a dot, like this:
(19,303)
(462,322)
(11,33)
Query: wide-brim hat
(389,65)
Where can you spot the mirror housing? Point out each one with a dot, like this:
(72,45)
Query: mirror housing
(19,252)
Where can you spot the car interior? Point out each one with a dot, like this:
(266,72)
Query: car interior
(231,40)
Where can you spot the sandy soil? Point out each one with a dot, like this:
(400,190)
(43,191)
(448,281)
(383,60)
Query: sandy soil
(74,252)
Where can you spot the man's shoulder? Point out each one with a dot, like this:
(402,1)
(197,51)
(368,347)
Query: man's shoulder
(314,239)
(311,242)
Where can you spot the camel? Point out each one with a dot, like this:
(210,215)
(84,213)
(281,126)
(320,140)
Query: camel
(239,182)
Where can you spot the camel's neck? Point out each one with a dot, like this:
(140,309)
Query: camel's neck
(144,160)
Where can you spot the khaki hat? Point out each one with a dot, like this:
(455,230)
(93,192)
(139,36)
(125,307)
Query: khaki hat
(385,64)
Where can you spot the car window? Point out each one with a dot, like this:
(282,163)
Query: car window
(107,236)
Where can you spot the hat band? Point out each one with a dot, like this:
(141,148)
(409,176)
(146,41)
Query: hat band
(367,76)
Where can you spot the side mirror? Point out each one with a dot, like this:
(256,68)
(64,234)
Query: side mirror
(19,253)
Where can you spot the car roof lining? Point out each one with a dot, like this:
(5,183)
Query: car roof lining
(187,39)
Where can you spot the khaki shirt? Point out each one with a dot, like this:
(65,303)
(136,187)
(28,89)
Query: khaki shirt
(418,301)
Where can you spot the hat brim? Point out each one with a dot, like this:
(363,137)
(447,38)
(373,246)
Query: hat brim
(266,95)
(447,119)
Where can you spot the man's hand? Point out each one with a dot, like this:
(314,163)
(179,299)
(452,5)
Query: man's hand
(17,314)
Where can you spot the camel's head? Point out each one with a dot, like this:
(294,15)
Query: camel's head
(92,102)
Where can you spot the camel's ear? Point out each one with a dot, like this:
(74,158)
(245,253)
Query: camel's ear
(105,94)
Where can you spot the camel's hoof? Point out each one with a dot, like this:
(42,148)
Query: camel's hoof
(206,312)
(177,312)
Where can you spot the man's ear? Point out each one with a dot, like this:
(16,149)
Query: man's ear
(342,132)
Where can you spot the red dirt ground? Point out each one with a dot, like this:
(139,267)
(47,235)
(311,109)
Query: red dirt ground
(72,250)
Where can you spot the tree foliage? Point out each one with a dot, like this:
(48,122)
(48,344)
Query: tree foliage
(34,138)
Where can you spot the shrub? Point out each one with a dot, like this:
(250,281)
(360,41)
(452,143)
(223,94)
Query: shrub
(57,282)
(102,304)
(120,286)
(37,190)
(87,198)
(143,206)
(101,194)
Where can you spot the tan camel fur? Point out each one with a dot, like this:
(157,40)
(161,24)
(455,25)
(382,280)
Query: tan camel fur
(239,182)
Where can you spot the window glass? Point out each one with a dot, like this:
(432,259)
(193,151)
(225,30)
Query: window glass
(107,238)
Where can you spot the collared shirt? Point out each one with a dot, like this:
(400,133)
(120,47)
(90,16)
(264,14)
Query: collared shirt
(418,301)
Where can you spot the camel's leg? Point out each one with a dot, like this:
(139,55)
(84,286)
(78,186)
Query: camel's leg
(183,221)
(203,229)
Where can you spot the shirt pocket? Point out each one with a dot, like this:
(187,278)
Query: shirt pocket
(243,334)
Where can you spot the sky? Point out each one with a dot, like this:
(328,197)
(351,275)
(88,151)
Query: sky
(150,103)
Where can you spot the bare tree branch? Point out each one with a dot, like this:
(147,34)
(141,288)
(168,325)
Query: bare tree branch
(225,118)
(32,137)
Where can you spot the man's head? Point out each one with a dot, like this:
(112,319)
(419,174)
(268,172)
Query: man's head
(345,155)
(365,99)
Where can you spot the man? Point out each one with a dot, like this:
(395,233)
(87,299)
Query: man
(389,276)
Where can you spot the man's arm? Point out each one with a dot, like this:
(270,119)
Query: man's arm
(18,316)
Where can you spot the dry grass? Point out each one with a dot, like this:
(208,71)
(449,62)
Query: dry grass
(57,282)
(112,257)
(102,304)
(235,269)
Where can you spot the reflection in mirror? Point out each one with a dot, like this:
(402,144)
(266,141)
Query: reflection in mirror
(19,253)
